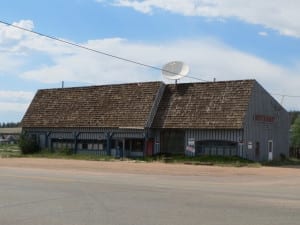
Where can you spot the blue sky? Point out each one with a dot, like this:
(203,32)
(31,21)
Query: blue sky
(222,39)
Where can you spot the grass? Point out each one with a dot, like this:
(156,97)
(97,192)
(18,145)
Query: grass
(9,150)
(46,153)
(285,162)
(204,160)
(13,150)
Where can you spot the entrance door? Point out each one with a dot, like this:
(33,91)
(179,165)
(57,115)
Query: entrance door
(117,148)
(150,146)
(270,150)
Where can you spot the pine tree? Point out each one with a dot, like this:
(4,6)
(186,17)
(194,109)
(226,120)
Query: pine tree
(296,133)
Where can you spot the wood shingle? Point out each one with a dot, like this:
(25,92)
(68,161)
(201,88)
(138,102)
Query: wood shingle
(213,105)
(110,106)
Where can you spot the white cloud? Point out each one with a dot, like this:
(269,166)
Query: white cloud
(11,33)
(13,104)
(279,15)
(16,42)
(16,96)
(208,58)
(263,33)
(8,62)
(13,107)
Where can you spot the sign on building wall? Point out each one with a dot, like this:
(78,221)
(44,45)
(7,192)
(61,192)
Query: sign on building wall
(264,118)
(250,146)
(190,148)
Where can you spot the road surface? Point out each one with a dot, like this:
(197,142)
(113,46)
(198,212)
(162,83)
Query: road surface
(70,192)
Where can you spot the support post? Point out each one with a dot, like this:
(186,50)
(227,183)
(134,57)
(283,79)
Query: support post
(123,148)
(108,139)
(145,143)
(47,139)
(76,135)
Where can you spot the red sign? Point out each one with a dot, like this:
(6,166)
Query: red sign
(264,118)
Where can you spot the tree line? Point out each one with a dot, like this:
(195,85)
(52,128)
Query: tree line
(9,124)
(295,134)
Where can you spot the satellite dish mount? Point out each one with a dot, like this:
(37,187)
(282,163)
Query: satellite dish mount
(175,70)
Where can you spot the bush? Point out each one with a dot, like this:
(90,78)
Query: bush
(28,144)
(282,157)
(65,151)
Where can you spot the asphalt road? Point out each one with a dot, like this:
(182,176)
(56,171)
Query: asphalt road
(54,197)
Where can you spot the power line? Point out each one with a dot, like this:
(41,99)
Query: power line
(289,96)
(96,51)
(284,95)
(115,56)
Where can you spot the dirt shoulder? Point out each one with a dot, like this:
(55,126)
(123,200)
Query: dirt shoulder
(132,167)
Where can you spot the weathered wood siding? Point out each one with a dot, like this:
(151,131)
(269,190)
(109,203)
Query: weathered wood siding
(261,130)
(47,134)
(156,142)
(233,135)
(220,135)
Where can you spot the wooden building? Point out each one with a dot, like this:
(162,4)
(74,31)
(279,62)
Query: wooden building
(10,135)
(133,120)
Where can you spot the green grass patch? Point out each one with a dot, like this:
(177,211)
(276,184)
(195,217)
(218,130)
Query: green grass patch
(203,160)
(13,150)
(285,162)
(67,154)
(9,150)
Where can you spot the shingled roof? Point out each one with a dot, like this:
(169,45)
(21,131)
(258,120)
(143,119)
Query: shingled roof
(111,106)
(213,105)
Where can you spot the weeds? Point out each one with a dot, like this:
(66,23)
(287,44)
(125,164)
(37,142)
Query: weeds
(9,150)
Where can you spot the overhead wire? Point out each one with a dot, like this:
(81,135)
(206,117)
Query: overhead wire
(97,51)
(115,56)
(283,96)
(290,96)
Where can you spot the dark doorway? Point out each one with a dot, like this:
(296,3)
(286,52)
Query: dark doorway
(257,150)
(134,147)
(172,142)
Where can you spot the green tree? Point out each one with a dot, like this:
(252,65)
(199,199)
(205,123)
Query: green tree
(293,116)
(296,133)
(28,144)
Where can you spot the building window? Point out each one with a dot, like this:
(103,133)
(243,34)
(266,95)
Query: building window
(221,148)
(84,146)
(94,145)
(137,145)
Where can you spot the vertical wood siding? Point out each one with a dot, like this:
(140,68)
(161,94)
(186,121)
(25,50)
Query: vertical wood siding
(83,134)
(205,135)
(220,135)
(262,103)
(156,141)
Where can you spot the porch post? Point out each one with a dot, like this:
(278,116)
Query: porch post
(145,143)
(108,142)
(76,135)
(123,147)
(47,139)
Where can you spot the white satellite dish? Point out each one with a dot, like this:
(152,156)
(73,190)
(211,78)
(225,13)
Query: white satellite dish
(175,70)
